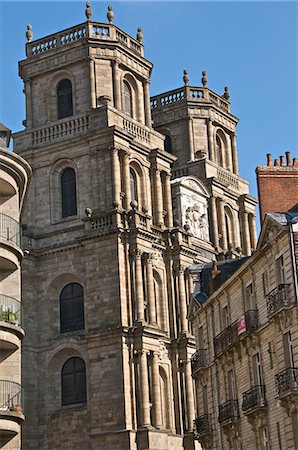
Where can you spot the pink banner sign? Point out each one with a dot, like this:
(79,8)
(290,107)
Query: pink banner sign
(241,325)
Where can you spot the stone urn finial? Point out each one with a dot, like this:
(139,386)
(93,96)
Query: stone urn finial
(226,94)
(185,77)
(29,33)
(204,78)
(88,11)
(110,14)
(140,35)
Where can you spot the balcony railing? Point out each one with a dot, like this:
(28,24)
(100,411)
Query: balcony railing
(234,332)
(11,310)
(202,425)
(11,395)
(278,299)
(10,229)
(228,412)
(199,360)
(254,399)
(287,382)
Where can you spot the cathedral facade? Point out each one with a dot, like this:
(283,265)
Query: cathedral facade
(127,192)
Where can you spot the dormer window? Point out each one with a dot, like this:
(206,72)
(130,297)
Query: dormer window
(64,99)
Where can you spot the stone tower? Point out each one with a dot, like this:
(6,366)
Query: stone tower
(201,132)
(106,286)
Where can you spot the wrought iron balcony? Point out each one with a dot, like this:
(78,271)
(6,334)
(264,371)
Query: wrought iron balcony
(254,399)
(11,396)
(10,229)
(228,412)
(202,426)
(278,299)
(11,310)
(199,360)
(231,335)
(286,382)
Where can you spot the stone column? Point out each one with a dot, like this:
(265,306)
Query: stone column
(182,299)
(247,244)
(158,199)
(214,222)
(116,176)
(148,119)
(116,85)
(156,392)
(234,154)
(139,286)
(253,232)
(229,158)
(126,179)
(222,225)
(210,140)
(29,104)
(169,200)
(150,291)
(189,395)
(191,139)
(92,83)
(144,389)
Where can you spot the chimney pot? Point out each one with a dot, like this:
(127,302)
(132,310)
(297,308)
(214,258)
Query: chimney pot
(269,159)
(276,162)
(295,162)
(282,160)
(288,156)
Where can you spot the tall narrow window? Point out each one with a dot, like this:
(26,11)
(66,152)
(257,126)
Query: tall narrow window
(133,185)
(72,308)
(168,144)
(257,370)
(64,99)
(280,270)
(73,382)
(231,385)
(68,193)
(218,150)
(127,98)
(288,349)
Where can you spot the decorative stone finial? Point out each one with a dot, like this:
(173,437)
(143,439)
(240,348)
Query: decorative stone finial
(110,14)
(204,78)
(226,94)
(185,77)
(140,35)
(88,11)
(29,33)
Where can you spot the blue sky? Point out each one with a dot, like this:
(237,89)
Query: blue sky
(250,46)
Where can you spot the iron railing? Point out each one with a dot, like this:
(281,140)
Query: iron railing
(228,412)
(199,360)
(202,425)
(286,382)
(11,394)
(278,299)
(254,398)
(232,334)
(11,310)
(10,229)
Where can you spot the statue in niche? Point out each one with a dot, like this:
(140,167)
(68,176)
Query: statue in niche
(196,218)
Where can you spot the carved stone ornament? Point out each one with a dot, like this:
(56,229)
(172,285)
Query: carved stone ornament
(163,352)
(29,33)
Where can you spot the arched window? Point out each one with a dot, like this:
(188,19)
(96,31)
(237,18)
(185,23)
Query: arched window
(127,98)
(72,308)
(68,193)
(218,150)
(229,227)
(133,185)
(73,381)
(168,144)
(64,99)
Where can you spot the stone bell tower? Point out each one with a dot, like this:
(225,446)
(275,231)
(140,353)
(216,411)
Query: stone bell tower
(106,286)
(200,131)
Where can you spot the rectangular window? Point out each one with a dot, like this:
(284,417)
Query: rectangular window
(257,369)
(249,296)
(201,337)
(288,349)
(265,283)
(264,439)
(225,317)
(205,399)
(280,270)
(231,385)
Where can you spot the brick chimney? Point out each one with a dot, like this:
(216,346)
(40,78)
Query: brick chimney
(277,184)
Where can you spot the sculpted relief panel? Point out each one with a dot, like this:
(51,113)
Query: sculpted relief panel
(190,206)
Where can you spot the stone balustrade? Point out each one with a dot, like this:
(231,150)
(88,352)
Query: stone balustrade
(190,94)
(228,179)
(86,30)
